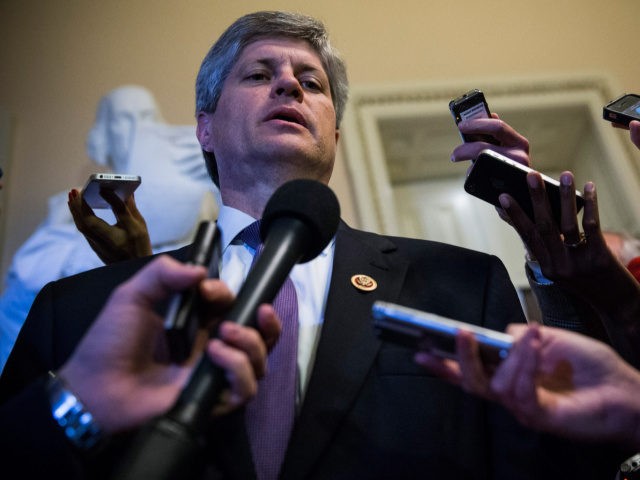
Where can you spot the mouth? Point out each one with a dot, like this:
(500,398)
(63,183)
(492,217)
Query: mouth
(289,115)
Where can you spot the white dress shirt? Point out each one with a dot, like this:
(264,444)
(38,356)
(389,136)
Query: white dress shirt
(310,279)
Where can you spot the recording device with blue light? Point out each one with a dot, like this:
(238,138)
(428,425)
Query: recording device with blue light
(434,333)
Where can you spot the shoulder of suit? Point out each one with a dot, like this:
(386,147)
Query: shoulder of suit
(120,271)
(390,243)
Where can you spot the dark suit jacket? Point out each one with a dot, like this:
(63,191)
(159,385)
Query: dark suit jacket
(369,411)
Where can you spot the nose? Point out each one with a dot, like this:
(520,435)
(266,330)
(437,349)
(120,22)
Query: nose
(287,85)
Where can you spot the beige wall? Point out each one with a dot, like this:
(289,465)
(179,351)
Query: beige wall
(59,57)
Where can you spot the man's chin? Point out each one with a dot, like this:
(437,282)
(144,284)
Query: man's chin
(287,148)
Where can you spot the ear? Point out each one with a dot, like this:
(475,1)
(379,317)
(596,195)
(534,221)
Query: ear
(337,135)
(203,131)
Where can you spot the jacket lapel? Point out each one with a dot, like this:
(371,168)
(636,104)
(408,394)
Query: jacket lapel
(347,345)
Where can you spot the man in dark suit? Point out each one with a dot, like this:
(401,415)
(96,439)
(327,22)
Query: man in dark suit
(270,96)
(115,377)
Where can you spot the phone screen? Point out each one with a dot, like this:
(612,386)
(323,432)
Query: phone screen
(474,111)
(623,109)
(471,105)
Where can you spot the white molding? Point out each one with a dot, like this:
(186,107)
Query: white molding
(364,148)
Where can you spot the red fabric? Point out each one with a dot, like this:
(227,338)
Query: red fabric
(634,267)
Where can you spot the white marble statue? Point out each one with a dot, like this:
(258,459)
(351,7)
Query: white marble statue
(128,136)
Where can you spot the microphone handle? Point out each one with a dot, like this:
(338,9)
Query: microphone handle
(283,248)
(175,437)
(163,450)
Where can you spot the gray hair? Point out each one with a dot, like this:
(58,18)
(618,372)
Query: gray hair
(268,24)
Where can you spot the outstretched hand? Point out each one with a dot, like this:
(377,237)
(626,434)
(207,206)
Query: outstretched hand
(117,369)
(128,238)
(577,261)
(580,262)
(510,143)
(553,380)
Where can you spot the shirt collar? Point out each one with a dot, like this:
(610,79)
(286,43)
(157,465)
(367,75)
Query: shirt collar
(231,222)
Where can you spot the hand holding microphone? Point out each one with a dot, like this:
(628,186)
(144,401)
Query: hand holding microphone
(298,222)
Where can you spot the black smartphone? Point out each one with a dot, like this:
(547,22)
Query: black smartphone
(183,314)
(471,105)
(434,333)
(492,174)
(122,185)
(623,109)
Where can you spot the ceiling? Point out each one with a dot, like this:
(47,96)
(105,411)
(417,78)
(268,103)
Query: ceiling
(419,147)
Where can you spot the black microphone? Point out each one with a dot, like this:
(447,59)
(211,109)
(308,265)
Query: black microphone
(298,222)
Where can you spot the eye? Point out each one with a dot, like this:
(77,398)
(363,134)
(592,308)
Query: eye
(311,84)
(257,76)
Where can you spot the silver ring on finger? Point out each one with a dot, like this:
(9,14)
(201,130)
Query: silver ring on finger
(581,241)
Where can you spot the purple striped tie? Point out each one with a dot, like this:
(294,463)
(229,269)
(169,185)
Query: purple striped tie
(270,415)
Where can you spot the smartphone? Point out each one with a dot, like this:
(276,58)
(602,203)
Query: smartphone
(183,315)
(471,105)
(630,468)
(427,331)
(623,109)
(492,174)
(122,185)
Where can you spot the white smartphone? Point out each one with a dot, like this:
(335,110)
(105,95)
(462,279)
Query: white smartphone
(122,185)
(428,331)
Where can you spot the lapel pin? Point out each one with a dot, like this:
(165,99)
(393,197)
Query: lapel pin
(364,282)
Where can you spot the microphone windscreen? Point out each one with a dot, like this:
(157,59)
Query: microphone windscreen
(309,201)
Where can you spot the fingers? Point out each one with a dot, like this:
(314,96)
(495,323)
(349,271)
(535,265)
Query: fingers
(511,143)
(242,352)
(568,218)
(540,203)
(446,369)
(547,241)
(133,208)
(467,371)
(82,213)
(239,373)
(474,377)
(126,212)
(162,276)
(95,230)
(591,221)
(131,221)
(269,325)
(514,383)
(217,295)
(522,224)
(469,151)
(128,238)
(249,341)
(114,201)
(591,217)
(86,221)
(634,132)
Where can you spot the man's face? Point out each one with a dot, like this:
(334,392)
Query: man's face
(275,118)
